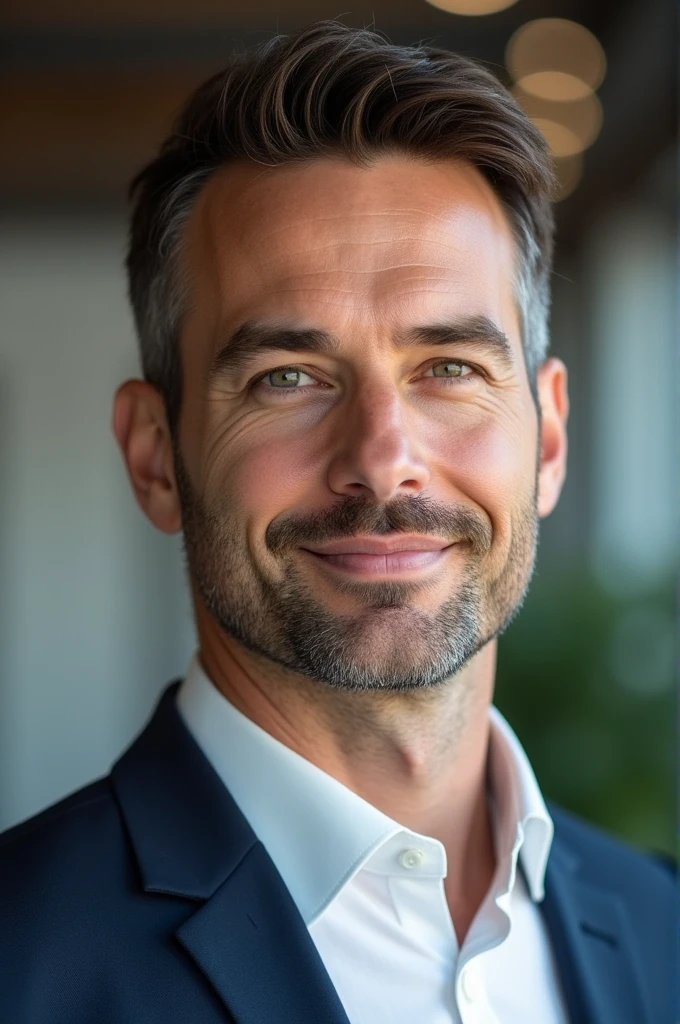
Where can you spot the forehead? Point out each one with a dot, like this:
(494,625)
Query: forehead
(326,242)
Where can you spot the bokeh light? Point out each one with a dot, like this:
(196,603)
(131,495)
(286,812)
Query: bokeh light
(472,7)
(568,127)
(556,59)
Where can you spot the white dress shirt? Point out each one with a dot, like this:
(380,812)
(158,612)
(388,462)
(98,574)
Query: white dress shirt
(371,892)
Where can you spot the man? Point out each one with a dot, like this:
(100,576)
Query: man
(339,268)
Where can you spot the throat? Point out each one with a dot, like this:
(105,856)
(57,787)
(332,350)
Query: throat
(469,880)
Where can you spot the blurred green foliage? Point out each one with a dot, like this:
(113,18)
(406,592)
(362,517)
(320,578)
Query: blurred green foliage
(586,678)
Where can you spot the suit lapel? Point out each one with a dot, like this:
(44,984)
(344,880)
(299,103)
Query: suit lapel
(192,841)
(252,944)
(594,946)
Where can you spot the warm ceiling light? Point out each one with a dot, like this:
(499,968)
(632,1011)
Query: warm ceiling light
(568,127)
(472,7)
(555,85)
(556,59)
(568,172)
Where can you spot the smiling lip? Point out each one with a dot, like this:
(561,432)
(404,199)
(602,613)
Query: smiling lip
(380,558)
(375,546)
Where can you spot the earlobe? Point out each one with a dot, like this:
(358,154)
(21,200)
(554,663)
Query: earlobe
(554,401)
(140,426)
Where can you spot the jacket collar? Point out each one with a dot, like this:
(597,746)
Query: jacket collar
(187,832)
(593,943)
(191,841)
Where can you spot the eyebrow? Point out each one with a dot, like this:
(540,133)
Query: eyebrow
(253,338)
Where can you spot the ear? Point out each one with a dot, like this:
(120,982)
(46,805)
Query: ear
(554,401)
(141,429)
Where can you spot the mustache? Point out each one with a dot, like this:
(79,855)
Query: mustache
(351,516)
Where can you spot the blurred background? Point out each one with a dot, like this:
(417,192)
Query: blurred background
(95,616)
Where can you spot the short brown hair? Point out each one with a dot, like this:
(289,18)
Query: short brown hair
(324,91)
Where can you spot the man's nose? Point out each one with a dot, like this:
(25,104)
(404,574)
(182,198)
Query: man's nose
(378,454)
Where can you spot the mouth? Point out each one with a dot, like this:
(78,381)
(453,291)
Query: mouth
(388,564)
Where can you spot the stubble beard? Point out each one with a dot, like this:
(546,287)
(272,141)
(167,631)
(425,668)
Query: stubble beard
(390,645)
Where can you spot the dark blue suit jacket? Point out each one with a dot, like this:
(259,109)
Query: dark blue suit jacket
(146,897)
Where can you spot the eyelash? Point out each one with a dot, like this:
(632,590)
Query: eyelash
(255,384)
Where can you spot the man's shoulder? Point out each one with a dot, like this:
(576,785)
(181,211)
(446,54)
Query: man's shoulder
(71,843)
(608,860)
(79,941)
(72,814)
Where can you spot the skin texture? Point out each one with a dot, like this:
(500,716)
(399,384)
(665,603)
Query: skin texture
(382,682)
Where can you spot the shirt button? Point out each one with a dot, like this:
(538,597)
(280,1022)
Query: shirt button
(411,858)
(468,985)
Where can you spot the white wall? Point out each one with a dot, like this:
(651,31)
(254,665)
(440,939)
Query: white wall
(635,457)
(94,612)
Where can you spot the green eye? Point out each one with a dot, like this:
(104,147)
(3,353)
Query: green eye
(450,369)
(285,377)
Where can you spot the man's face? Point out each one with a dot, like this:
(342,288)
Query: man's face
(384,393)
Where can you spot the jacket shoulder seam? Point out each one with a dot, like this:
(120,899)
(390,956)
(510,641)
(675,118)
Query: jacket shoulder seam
(30,826)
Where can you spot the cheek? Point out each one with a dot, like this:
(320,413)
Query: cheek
(492,464)
(267,477)
(258,461)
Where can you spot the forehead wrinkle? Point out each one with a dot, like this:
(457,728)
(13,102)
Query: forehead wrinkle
(301,237)
(361,218)
(350,266)
(265,216)
(339,243)
(449,255)
(372,289)
(394,269)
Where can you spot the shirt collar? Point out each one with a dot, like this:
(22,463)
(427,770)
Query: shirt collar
(521,820)
(318,832)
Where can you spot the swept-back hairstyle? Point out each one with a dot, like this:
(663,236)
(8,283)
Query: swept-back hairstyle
(332,90)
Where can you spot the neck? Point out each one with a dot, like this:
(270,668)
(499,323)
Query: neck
(419,757)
